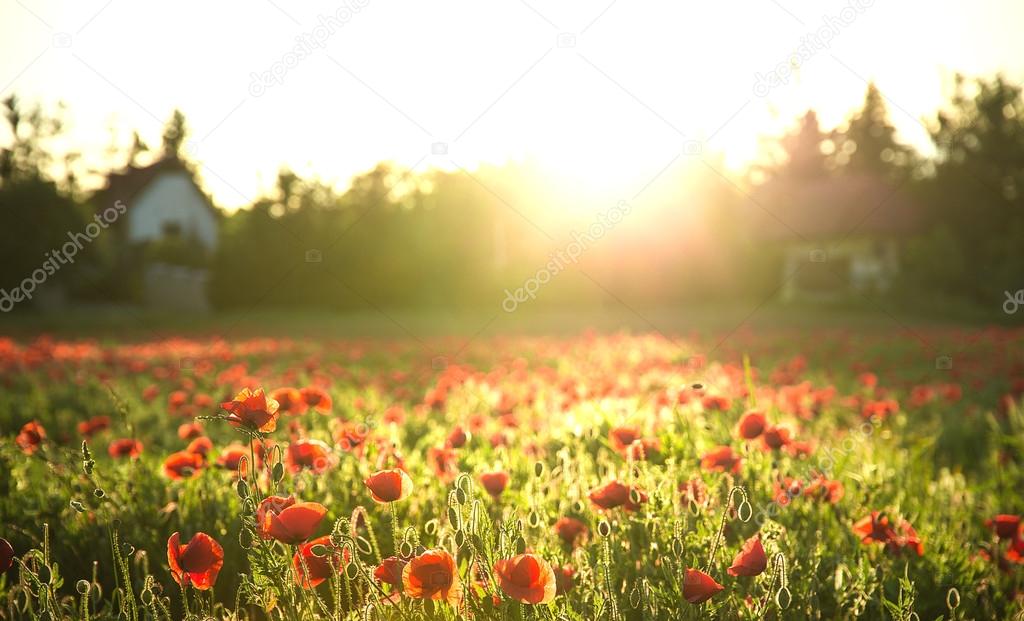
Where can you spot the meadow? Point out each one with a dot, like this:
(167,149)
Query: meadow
(795,472)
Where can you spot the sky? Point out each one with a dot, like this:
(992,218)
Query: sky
(602,94)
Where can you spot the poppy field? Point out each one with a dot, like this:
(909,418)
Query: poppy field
(769,474)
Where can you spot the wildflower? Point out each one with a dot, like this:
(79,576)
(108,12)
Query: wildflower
(721,459)
(289,401)
(183,464)
(694,491)
(196,563)
(200,446)
(30,437)
(308,454)
(253,410)
(776,437)
(190,431)
(232,456)
(698,587)
(457,438)
(288,521)
(125,447)
(570,529)
(320,567)
(1005,526)
(616,494)
(389,485)
(564,579)
(433,575)
(96,424)
(317,398)
(444,463)
(751,425)
(751,560)
(621,437)
(390,571)
(526,578)
(494,482)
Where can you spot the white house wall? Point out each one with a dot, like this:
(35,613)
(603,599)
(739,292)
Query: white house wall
(171,197)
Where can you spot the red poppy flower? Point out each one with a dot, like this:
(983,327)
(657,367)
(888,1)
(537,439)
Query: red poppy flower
(232,456)
(874,528)
(253,410)
(6,555)
(444,463)
(433,575)
(751,560)
(200,446)
(564,579)
(457,438)
(352,437)
(721,459)
(825,489)
(317,398)
(390,571)
(190,431)
(751,425)
(389,485)
(289,401)
(621,437)
(694,491)
(197,563)
(776,437)
(183,465)
(494,482)
(1005,525)
(125,447)
(94,425)
(331,560)
(698,587)
(288,521)
(784,491)
(716,403)
(30,437)
(570,529)
(309,454)
(616,494)
(527,578)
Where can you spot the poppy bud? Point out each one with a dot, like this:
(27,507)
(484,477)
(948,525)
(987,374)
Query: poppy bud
(245,538)
(520,545)
(82,587)
(460,538)
(44,574)
(538,469)
(77,506)
(460,496)
(533,519)
(319,550)
(351,571)
(278,472)
(242,488)
(604,528)
(406,549)
(99,493)
(677,546)
(453,517)
(146,597)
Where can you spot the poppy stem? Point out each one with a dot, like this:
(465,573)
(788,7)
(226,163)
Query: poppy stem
(395,540)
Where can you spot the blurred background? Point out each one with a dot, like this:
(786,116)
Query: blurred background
(390,159)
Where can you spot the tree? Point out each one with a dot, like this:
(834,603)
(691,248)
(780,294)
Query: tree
(803,147)
(175,132)
(868,143)
(978,188)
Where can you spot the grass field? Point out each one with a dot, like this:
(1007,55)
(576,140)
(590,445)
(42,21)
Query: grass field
(693,466)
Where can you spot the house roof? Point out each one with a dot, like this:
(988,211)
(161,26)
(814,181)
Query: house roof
(126,185)
(834,206)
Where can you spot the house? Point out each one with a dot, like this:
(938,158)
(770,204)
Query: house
(168,232)
(837,234)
